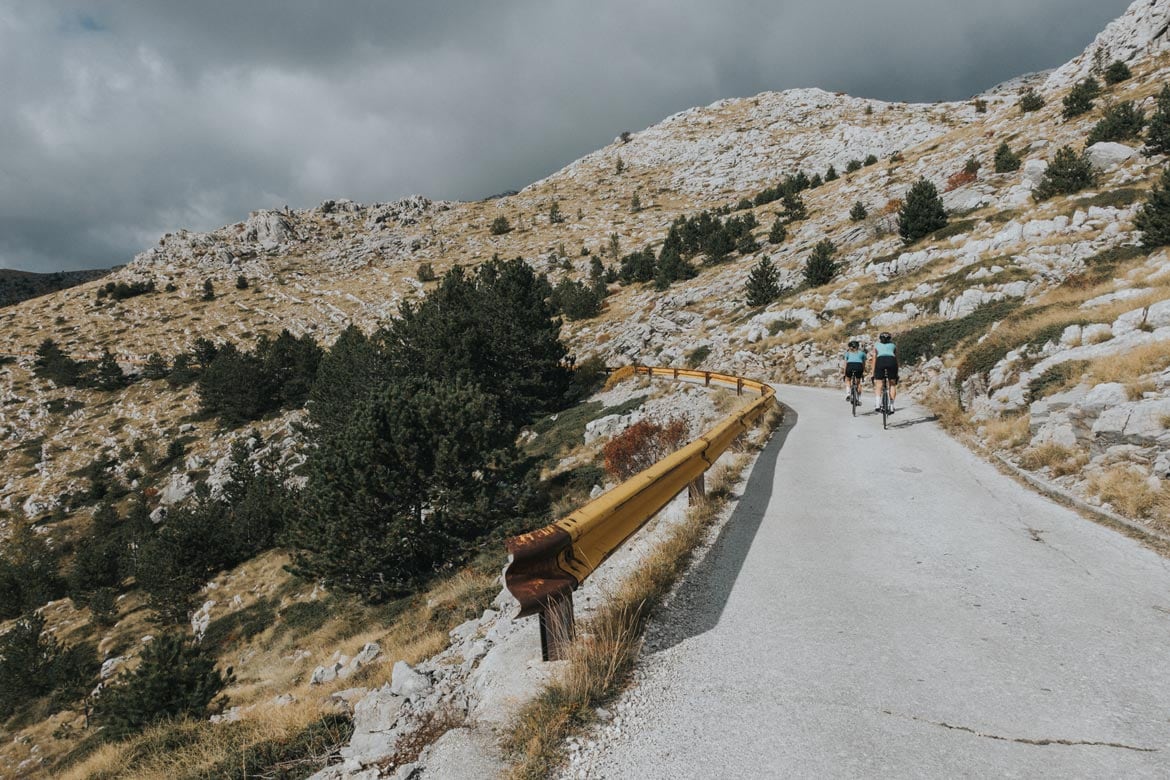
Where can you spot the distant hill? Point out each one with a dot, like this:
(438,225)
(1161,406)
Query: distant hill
(17,286)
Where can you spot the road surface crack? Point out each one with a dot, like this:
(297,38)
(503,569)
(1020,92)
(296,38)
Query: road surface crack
(1023,740)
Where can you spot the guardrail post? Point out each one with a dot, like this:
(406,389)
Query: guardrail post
(556,627)
(739,385)
(706,379)
(696,490)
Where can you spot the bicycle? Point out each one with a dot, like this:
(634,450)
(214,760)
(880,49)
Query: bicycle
(885,404)
(854,393)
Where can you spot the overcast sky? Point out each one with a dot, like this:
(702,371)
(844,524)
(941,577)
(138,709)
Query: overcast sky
(120,121)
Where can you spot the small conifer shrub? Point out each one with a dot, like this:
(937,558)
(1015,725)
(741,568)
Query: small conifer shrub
(820,268)
(175,678)
(1153,218)
(1069,172)
(241,282)
(426,272)
(1158,134)
(1030,101)
(1006,160)
(921,213)
(853,165)
(500,226)
(831,174)
(763,283)
(1080,98)
(1120,122)
(858,212)
(870,159)
(208,290)
(1117,72)
(778,232)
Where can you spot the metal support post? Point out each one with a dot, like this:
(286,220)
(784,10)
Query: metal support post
(556,628)
(696,490)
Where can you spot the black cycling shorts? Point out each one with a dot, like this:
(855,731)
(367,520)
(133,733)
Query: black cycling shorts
(888,365)
(854,369)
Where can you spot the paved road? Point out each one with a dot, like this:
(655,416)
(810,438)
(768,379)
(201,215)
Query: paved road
(886,604)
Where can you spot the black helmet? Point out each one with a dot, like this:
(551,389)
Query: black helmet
(884,337)
(853,344)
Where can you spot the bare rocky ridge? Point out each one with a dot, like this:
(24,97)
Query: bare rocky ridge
(315,271)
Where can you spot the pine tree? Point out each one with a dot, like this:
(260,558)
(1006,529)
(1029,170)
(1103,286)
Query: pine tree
(109,374)
(174,678)
(816,181)
(1153,218)
(794,207)
(208,290)
(922,213)
(1117,72)
(619,166)
(156,367)
(853,165)
(241,282)
(858,212)
(763,284)
(820,268)
(1006,160)
(500,226)
(746,244)
(635,203)
(778,232)
(496,328)
(389,499)
(870,159)
(1069,172)
(1158,133)
(671,266)
(1030,101)
(831,174)
(1080,98)
(1120,122)
(554,214)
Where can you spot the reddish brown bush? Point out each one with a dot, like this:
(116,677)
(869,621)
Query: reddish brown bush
(959,179)
(642,445)
(893,206)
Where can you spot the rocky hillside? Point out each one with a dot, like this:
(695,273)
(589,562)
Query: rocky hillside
(1039,325)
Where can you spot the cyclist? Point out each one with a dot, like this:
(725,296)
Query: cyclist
(885,361)
(854,359)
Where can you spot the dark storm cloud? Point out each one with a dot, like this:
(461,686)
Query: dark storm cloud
(120,121)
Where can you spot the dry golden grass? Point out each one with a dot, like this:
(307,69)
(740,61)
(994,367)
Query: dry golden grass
(1058,459)
(1132,368)
(609,642)
(946,407)
(263,670)
(1011,432)
(1127,489)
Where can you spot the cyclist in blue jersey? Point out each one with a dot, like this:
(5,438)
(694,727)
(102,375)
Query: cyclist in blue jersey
(885,364)
(854,359)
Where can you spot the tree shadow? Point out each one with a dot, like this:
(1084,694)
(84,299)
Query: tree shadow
(701,598)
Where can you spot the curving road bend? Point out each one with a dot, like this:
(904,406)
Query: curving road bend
(886,604)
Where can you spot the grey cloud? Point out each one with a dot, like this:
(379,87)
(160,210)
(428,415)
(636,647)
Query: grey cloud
(120,121)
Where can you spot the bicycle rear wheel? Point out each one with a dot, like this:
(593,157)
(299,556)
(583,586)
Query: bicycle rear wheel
(885,404)
(853,402)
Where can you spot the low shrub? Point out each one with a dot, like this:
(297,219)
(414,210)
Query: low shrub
(642,445)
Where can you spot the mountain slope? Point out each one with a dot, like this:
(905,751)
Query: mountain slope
(1044,319)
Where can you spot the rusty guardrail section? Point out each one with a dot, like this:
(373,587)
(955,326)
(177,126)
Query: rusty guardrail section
(548,564)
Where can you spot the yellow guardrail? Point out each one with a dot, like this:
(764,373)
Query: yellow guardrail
(548,564)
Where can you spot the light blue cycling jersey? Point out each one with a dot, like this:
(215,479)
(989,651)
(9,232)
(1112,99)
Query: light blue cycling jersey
(884,350)
(855,357)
